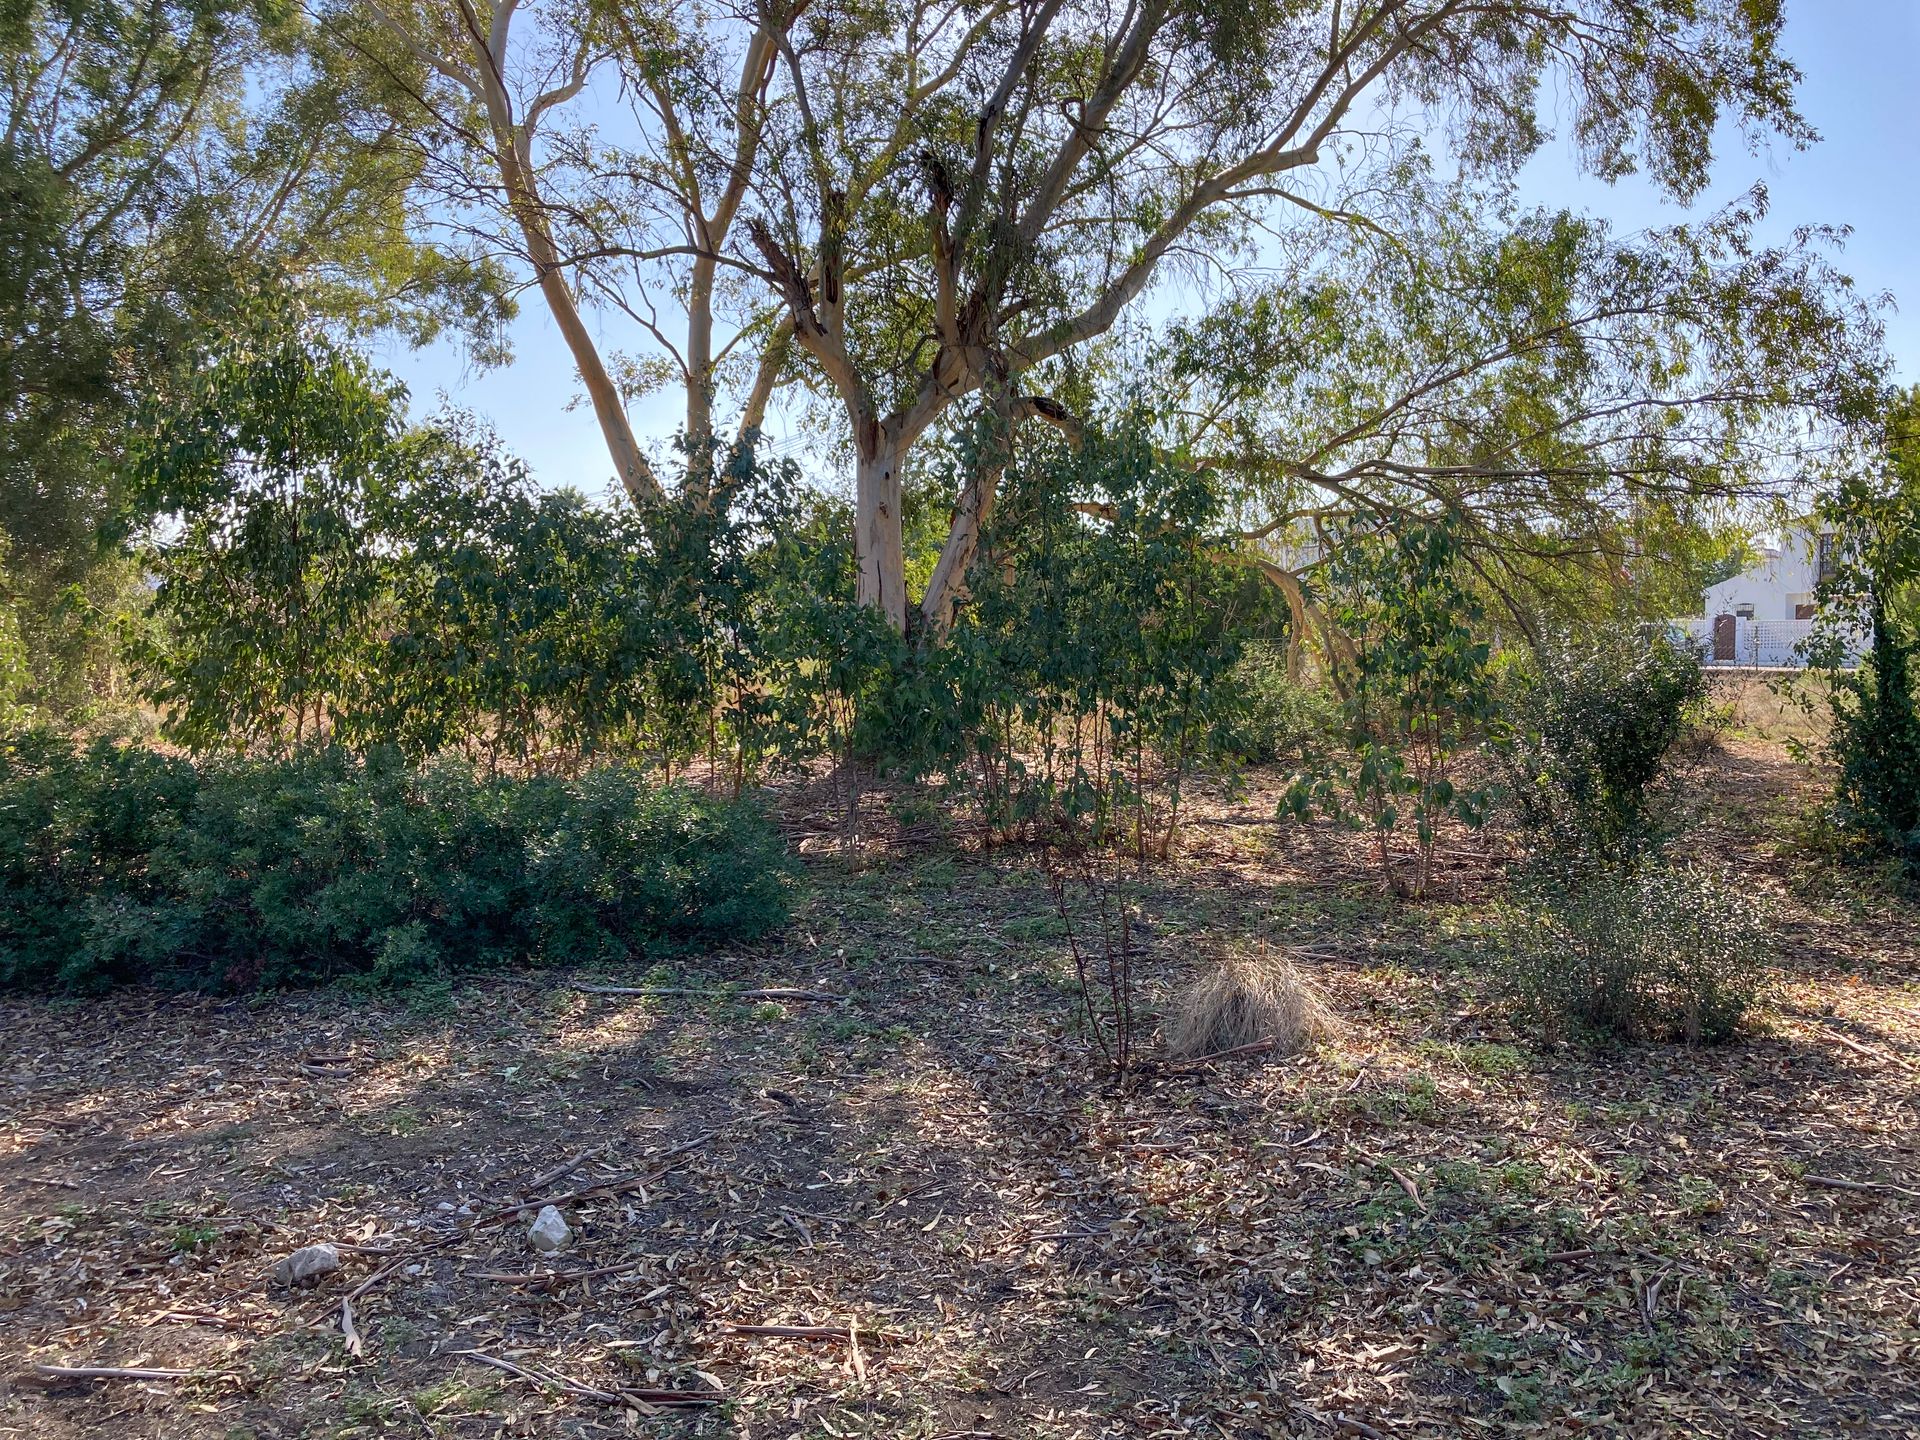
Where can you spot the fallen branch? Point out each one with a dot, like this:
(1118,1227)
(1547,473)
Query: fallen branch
(772,992)
(543,1280)
(601,1188)
(355,1344)
(560,1171)
(817,1332)
(115,1372)
(1405,1183)
(1256,1047)
(1350,1426)
(633,1399)
(1871,1052)
(1834,1182)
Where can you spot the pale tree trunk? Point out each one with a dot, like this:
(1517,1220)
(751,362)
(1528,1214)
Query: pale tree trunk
(877,542)
(629,461)
(948,587)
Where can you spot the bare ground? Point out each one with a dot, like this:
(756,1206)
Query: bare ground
(1432,1226)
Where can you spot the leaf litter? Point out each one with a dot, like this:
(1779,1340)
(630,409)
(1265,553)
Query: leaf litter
(917,1212)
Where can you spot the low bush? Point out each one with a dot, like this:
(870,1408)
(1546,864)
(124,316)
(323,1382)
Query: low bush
(119,864)
(1662,952)
(1244,998)
(1596,722)
(1417,694)
(1271,715)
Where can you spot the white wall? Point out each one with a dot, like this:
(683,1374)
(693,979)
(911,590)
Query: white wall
(1785,579)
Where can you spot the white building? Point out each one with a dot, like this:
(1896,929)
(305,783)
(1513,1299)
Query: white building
(1782,585)
(1762,615)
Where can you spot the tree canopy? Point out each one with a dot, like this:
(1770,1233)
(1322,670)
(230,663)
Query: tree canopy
(162,166)
(906,208)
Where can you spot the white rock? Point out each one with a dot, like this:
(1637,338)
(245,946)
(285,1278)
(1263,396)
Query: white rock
(306,1265)
(549,1231)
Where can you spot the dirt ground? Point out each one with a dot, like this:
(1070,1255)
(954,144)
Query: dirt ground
(1433,1225)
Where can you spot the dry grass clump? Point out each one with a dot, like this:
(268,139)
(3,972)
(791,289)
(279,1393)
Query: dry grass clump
(1243,998)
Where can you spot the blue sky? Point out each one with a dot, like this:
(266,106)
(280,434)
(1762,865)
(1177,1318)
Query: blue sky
(1861,60)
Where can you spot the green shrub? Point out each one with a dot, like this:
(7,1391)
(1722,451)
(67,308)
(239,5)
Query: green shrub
(1272,715)
(1875,745)
(1596,720)
(1417,692)
(1085,679)
(121,865)
(1874,547)
(1661,952)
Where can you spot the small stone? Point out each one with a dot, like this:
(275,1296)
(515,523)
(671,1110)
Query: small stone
(306,1265)
(549,1231)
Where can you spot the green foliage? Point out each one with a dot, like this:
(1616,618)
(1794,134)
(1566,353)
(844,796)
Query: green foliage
(119,864)
(1416,690)
(163,164)
(1275,716)
(833,670)
(14,674)
(1588,407)
(268,589)
(327,571)
(538,627)
(1874,740)
(1661,952)
(1087,676)
(1595,719)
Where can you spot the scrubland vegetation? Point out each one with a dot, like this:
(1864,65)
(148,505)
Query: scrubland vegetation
(1168,876)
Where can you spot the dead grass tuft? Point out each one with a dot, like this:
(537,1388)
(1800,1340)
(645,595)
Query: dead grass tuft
(1243,998)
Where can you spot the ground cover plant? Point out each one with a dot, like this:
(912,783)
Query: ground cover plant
(120,864)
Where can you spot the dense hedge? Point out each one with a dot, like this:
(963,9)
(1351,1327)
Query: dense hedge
(120,864)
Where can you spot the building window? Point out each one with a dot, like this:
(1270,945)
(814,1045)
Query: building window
(1823,550)
(1745,612)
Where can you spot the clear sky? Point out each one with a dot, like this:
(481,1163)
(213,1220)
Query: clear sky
(1861,60)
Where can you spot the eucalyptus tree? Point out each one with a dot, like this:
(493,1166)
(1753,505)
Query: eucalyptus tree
(953,196)
(923,204)
(1573,401)
(607,151)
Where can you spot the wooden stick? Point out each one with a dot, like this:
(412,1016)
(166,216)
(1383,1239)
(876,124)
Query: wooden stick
(1257,1047)
(772,992)
(588,1392)
(662,1164)
(1867,1050)
(853,1343)
(1399,1175)
(544,1280)
(1352,1426)
(816,1332)
(115,1372)
(565,1168)
(1833,1182)
(355,1344)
